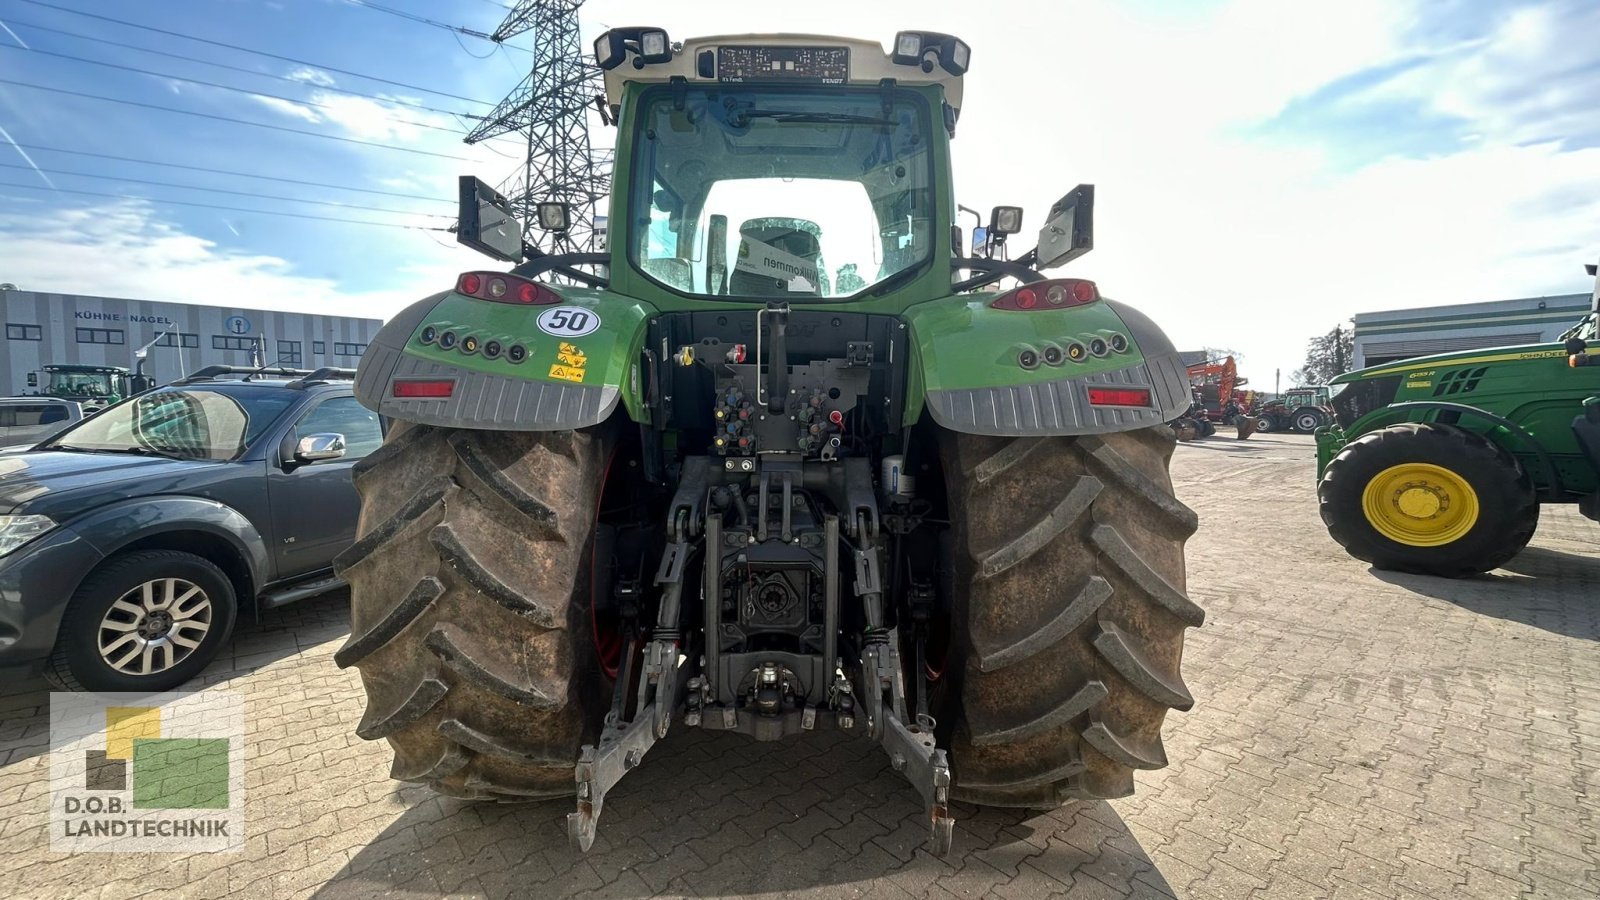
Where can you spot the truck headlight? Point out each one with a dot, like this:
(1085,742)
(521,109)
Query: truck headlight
(18,530)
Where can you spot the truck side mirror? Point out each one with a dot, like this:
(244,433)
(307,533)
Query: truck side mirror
(1068,231)
(317,447)
(486,223)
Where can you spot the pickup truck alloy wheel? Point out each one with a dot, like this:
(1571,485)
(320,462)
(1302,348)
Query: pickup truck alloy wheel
(143,621)
(155,626)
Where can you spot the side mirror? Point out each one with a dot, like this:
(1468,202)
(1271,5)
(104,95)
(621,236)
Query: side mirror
(317,447)
(1068,231)
(555,216)
(486,223)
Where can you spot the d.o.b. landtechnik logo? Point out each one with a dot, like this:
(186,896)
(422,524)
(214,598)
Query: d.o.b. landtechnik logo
(138,773)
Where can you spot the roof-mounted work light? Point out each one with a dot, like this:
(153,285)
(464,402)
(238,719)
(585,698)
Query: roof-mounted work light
(649,45)
(914,48)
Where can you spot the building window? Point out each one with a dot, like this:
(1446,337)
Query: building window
(24,333)
(226,342)
(179,339)
(349,349)
(319,348)
(289,353)
(100,336)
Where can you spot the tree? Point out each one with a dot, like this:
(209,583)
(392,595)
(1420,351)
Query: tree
(1327,355)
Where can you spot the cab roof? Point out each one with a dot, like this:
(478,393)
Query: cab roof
(701,60)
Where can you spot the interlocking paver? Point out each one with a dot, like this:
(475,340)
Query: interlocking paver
(1356,735)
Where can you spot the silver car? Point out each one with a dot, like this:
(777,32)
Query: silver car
(25,421)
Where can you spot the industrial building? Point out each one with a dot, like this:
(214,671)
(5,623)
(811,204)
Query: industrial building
(1396,334)
(53,329)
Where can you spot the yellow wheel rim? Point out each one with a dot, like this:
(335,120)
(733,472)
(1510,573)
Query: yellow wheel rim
(1420,505)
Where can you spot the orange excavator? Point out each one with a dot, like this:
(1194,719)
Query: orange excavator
(1217,396)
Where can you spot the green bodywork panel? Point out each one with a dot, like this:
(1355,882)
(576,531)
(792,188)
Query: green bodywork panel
(608,356)
(1532,386)
(961,343)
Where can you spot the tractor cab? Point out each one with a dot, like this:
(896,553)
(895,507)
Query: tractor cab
(93,386)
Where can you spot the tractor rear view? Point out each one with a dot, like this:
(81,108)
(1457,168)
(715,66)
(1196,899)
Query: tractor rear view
(778,461)
(1439,465)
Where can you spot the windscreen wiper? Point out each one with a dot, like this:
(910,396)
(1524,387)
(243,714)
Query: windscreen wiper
(137,451)
(742,117)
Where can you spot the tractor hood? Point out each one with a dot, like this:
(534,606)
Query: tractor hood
(1482,356)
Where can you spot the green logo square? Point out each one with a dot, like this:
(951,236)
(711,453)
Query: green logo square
(180,773)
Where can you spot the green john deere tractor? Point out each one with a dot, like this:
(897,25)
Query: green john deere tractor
(1439,465)
(780,460)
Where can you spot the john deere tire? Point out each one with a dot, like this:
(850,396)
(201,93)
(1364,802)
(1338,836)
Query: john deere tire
(470,607)
(1428,498)
(1070,613)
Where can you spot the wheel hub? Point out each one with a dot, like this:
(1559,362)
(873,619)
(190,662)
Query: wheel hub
(1421,501)
(1420,504)
(154,626)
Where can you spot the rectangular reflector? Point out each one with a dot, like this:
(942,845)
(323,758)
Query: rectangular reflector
(1119,397)
(424,389)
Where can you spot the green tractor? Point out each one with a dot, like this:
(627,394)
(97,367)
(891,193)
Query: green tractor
(1301,409)
(1438,465)
(95,387)
(780,460)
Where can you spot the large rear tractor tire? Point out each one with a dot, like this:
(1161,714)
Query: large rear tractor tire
(1070,613)
(470,594)
(1428,498)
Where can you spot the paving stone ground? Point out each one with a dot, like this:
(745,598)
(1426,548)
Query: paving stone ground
(1356,734)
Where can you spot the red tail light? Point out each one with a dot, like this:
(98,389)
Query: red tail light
(429,390)
(1056,293)
(1119,397)
(498,287)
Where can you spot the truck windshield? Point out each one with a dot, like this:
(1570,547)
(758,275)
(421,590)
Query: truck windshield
(799,193)
(88,384)
(189,423)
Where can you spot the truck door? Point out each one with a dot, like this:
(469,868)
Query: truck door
(314,505)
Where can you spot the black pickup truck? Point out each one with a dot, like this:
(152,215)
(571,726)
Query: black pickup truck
(131,542)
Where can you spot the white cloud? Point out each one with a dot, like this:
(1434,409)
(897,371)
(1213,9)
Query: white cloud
(288,108)
(311,76)
(127,249)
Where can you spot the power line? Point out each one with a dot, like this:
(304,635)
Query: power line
(190,112)
(171,165)
(194,187)
(206,62)
(213,84)
(424,20)
(263,212)
(190,37)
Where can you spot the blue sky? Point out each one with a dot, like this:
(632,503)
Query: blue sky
(1264,169)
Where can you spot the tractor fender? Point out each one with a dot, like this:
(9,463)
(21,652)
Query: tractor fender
(510,367)
(973,365)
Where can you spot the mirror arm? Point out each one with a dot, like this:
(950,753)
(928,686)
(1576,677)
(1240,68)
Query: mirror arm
(539,262)
(992,270)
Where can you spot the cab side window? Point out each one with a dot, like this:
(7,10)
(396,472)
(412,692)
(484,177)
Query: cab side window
(363,433)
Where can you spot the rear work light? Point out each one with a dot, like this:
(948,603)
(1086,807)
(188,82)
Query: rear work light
(1056,293)
(1119,397)
(424,390)
(498,287)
